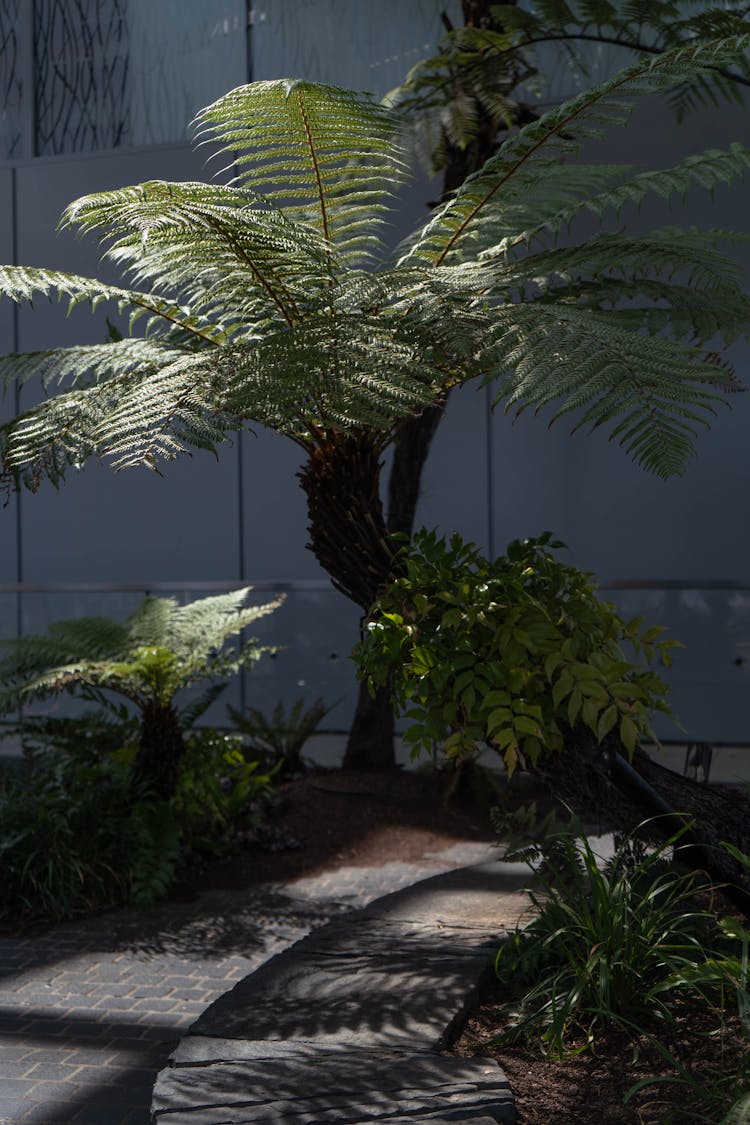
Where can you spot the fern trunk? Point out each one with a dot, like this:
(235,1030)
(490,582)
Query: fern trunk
(349,538)
(347,529)
(160,750)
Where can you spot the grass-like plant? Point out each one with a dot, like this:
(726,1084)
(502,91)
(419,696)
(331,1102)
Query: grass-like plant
(603,942)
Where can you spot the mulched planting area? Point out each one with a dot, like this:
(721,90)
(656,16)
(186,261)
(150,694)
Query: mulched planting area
(589,1088)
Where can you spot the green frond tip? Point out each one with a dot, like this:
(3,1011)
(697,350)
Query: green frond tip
(330,156)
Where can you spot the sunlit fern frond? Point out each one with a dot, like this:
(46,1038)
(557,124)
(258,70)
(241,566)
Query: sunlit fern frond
(470,218)
(88,363)
(184,644)
(24,283)
(140,417)
(215,620)
(228,257)
(661,390)
(329,156)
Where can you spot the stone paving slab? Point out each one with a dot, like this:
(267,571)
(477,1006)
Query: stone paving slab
(90,1010)
(345,1025)
(330,1086)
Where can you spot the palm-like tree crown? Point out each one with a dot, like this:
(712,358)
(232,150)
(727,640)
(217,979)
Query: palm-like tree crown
(160,649)
(263,301)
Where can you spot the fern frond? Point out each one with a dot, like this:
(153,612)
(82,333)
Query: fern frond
(538,147)
(329,156)
(558,198)
(87,364)
(140,417)
(161,648)
(21,283)
(659,387)
(214,620)
(212,244)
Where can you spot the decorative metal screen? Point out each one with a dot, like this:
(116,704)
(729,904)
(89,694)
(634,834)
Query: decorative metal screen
(131,72)
(11,86)
(81,61)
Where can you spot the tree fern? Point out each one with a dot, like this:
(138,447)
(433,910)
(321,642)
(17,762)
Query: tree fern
(161,649)
(255,302)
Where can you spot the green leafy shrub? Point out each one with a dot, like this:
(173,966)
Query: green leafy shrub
(220,786)
(279,738)
(507,653)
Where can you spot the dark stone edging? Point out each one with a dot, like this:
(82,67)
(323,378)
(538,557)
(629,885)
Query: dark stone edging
(346,1025)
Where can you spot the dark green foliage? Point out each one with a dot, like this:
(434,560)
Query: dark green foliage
(508,653)
(154,838)
(64,832)
(279,738)
(76,835)
(86,738)
(221,785)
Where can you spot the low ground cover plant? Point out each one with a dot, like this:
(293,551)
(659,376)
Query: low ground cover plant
(637,949)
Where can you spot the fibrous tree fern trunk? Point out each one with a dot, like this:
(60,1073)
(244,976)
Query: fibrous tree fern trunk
(160,751)
(349,538)
(347,529)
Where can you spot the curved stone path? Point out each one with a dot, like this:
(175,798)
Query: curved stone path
(90,1011)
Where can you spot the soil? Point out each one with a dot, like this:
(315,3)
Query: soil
(590,1088)
(358,818)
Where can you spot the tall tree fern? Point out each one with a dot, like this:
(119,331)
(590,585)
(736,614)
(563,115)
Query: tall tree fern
(266,301)
(160,650)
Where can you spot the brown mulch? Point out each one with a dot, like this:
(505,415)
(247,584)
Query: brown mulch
(590,1088)
(359,818)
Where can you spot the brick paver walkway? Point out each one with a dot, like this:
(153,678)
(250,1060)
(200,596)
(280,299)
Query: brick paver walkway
(90,1011)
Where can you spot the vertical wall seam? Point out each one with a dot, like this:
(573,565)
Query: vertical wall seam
(16,334)
(490,474)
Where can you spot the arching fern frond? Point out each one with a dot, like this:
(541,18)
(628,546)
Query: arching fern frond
(22,283)
(329,156)
(663,390)
(471,216)
(211,244)
(86,364)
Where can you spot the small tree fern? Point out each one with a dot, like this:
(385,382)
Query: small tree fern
(265,301)
(160,650)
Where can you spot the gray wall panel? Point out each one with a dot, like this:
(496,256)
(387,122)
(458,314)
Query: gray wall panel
(618,520)
(275,512)
(455,485)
